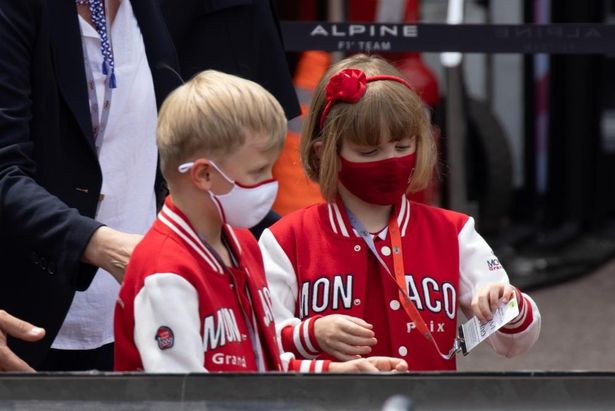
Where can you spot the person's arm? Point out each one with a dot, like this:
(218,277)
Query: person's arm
(17,328)
(35,220)
(342,336)
(358,365)
(296,336)
(482,281)
(167,325)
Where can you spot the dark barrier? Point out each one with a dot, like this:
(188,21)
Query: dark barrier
(448,391)
(468,38)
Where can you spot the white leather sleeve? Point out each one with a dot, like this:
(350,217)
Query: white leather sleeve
(479,266)
(282,281)
(169,300)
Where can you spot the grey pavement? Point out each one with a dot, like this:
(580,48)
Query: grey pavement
(578,329)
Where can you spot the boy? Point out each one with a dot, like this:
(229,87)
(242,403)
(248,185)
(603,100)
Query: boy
(195,298)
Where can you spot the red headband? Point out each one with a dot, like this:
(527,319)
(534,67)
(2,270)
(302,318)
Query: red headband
(349,86)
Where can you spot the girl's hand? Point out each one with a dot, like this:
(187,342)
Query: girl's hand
(370,364)
(488,298)
(344,337)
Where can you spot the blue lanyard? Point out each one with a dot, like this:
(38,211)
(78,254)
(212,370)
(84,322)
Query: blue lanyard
(99,115)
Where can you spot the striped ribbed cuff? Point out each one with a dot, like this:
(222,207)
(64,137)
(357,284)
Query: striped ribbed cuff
(523,320)
(300,339)
(314,366)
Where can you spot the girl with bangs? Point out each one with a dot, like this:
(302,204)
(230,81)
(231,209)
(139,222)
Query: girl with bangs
(370,272)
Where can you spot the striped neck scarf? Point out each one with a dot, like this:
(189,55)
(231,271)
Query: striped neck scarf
(97,11)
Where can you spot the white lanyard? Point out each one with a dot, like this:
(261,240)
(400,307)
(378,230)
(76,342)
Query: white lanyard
(99,118)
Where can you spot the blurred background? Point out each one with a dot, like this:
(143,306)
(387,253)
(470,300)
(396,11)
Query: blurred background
(527,146)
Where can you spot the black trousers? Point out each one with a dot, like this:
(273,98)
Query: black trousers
(79,360)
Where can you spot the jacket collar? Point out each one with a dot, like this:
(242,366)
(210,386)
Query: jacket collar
(175,220)
(337,217)
(67,52)
(68,62)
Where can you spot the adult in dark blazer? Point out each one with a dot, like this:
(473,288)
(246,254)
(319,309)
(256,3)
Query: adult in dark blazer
(50,178)
(240,37)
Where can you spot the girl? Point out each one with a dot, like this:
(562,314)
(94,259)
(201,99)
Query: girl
(370,272)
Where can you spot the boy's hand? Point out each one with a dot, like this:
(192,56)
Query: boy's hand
(370,364)
(488,298)
(344,337)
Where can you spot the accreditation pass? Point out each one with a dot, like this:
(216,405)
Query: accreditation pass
(473,332)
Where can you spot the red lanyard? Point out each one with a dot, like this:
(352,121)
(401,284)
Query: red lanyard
(400,278)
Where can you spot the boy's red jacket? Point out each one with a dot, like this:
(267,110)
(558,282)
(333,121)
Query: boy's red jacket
(179,310)
(317,265)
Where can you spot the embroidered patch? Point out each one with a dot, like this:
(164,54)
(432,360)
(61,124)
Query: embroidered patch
(165,338)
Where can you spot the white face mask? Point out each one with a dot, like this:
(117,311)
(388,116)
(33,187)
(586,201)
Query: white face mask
(243,206)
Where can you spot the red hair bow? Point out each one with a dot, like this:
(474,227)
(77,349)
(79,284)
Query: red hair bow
(349,85)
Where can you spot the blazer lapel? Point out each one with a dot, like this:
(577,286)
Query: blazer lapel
(68,62)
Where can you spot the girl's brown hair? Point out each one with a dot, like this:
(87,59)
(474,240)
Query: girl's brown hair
(387,108)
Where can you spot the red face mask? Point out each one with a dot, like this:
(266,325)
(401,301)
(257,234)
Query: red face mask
(380,182)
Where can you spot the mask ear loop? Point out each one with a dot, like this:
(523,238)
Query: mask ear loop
(183,168)
(230,180)
(216,202)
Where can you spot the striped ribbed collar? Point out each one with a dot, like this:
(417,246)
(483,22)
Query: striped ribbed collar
(173,218)
(340,224)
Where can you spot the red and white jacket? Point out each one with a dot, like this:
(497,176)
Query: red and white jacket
(179,309)
(317,264)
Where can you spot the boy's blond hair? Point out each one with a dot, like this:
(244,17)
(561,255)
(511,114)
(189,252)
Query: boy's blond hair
(388,108)
(211,115)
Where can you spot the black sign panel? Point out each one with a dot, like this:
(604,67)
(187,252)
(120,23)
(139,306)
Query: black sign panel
(467,38)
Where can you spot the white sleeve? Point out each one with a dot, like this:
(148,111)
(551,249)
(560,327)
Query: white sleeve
(282,281)
(479,266)
(168,302)
(293,334)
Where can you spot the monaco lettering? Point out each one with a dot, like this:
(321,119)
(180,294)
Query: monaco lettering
(335,293)
(494,264)
(326,294)
(265,297)
(220,329)
(433,296)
